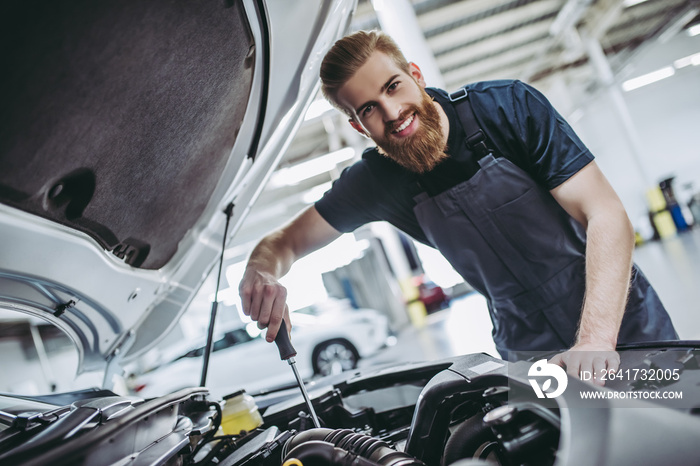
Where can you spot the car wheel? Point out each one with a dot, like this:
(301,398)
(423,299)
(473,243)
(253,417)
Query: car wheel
(334,357)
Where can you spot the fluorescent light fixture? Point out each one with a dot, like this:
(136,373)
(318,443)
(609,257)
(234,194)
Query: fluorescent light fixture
(295,174)
(690,60)
(694,30)
(629,3)
(648,78)
(317,108)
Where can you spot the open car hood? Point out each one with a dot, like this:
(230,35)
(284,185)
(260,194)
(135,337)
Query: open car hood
(126,129)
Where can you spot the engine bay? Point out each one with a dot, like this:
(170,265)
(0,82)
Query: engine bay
(466,410)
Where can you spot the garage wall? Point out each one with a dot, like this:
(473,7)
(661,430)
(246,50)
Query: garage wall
(27,376)
(666,115)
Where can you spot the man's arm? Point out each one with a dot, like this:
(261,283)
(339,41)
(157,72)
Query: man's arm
(588,197)
(262,296)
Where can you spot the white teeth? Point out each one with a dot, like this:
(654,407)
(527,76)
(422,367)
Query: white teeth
(404,125)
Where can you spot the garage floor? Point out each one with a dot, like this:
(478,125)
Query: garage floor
(672,266)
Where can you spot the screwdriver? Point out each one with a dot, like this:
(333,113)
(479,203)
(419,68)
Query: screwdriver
(287,352)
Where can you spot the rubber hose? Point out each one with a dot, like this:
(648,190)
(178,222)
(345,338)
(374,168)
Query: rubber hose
(375,450)
(465,440)
(320,453)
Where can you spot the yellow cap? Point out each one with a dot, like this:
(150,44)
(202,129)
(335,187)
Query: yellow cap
(292,462)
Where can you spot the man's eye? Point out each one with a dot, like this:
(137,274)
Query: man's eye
(367,110)
(393,86)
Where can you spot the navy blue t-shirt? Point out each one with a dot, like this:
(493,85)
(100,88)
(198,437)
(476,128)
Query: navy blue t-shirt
(519,123)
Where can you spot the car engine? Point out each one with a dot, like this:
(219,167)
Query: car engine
(422,414)
(466,410)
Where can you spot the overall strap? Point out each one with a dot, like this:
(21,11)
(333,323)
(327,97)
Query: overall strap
(476,139)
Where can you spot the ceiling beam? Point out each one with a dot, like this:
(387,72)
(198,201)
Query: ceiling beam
(496,24)
(489,48)
(458,11)
(513,61)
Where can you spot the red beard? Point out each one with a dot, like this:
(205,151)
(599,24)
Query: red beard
(424,149)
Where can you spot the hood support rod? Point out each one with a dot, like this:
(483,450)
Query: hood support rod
(215,305)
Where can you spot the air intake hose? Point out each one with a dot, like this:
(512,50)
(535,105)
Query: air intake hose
(343,447)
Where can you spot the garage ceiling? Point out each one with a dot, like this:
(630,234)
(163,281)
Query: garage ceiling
(538,41)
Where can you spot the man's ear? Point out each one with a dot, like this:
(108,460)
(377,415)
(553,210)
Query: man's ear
(358,127)
(416,73)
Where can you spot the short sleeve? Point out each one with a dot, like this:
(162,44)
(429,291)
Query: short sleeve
(554,151)
(350,203)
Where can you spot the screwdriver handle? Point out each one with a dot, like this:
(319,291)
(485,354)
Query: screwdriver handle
(284,344)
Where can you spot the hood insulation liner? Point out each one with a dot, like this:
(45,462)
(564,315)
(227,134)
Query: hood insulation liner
(119,116)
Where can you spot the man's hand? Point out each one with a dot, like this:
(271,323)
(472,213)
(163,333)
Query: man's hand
(591,357)
(264,299)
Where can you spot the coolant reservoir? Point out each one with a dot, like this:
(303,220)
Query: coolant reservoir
(240,413)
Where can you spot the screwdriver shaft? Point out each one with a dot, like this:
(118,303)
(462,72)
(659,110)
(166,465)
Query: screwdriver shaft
(292,364)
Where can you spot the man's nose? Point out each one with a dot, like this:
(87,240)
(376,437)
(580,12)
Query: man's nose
(391,110)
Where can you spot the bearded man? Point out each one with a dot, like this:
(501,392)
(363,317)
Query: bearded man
(494,178)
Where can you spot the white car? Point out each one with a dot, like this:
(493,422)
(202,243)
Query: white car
(329,338)
(135,148)
(135,137)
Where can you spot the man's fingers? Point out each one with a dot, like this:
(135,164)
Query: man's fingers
(599,367)
(573,365)
(567,360)
(597,363)
(558,360)
(246,296)
(263,298)
(273,326)
(613,362)
(287,319)
(263,302)
(256,303)
(268,302)
(277,313)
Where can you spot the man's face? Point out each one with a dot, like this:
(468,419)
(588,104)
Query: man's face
(391,107)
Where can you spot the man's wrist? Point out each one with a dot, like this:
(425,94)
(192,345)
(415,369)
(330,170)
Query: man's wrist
(596,343)
(259,268)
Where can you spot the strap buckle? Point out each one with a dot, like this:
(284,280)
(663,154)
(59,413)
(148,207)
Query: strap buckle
(477,143)
(458,95)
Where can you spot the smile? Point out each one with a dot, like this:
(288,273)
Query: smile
(405,124)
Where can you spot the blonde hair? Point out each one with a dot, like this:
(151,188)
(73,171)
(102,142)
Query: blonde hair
(347,56)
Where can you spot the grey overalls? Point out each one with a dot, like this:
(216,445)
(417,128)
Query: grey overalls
(510,239)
